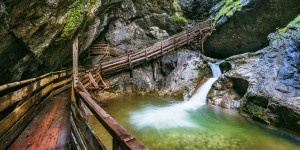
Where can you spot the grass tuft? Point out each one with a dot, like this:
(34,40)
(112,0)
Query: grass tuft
(179,19)
(283,30)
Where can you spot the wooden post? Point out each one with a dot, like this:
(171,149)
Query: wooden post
(202,46)
(175,43)
(211,25)
(130,65)
(154,67)
(146,55)
(161,48)
(187,37)
(75,55)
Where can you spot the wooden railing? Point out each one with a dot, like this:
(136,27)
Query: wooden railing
(28,100)
(159,49)
(104,49)
(83,135)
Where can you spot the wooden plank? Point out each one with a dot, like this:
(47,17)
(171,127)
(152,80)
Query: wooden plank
(65,128)
(14,131)
(85,129)
(32,136)
(43,93)
(74,143)
(77,135)
(18,127)
(17,113)
(101,79)
(57,91)
(93,80)
(62,82)
(10,85)
(51,137)
(16,96)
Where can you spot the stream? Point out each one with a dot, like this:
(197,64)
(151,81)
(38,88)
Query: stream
(163,124)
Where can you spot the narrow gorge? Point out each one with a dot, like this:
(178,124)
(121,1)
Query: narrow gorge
(141,74)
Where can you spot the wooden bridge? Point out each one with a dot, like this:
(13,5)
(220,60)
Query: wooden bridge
(48,112)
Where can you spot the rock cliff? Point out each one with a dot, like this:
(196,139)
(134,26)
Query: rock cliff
(36,36)
(265,85)
(248,23)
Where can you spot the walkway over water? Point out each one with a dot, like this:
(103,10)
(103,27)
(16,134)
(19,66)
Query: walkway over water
(50,129)
(43,113)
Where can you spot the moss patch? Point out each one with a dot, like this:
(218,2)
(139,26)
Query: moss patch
(251,54)
(179,19)
(176,6)
(228,9)
(258,112)
(283,30)
(73,21)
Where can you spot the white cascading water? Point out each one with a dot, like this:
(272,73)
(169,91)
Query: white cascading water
(175,115)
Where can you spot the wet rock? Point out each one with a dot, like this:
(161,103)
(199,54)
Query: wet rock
(177,75)
(265,83)
(246,29)
(184,79)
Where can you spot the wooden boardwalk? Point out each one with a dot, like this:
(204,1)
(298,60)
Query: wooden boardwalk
(50,129)
(128,61)
(42,113)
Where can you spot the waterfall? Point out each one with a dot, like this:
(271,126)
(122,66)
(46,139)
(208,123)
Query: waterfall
(175,115)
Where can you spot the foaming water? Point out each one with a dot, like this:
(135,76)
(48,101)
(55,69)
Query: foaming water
(175,115)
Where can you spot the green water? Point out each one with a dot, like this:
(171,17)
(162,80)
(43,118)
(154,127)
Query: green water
(216,129)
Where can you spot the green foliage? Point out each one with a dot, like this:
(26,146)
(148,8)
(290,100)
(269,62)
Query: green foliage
(179,19)
(228,9)
(251,54)
(178,16)
(283,30)
(73,21)
(176,6)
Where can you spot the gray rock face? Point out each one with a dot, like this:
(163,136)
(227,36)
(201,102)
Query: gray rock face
(197,9)
(37,35)
(158,33)
(265,84)
(247,29)
(140,33)
(184,79)
(177,75)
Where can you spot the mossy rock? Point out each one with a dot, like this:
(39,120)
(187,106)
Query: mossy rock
(258,113)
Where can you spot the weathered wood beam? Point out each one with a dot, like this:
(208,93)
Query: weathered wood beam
(127,141)
(75,55)
(85,129)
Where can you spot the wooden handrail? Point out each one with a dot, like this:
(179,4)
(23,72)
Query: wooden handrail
(122,137)
(18,83)
(38,83)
